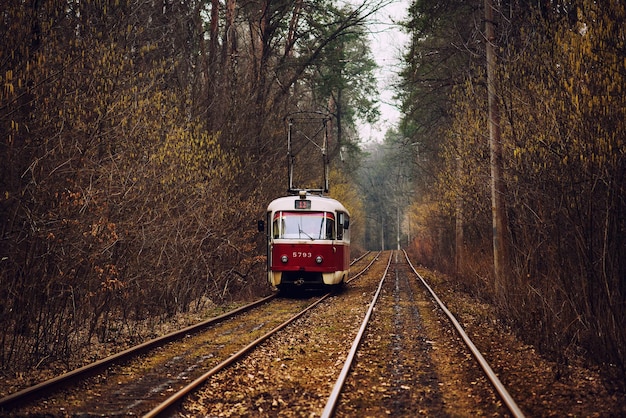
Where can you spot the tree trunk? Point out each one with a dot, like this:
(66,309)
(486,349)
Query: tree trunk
(500,242)
(459,236)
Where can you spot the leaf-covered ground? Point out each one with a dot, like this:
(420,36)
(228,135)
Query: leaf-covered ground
(410,363)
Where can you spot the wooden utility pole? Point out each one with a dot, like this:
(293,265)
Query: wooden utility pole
(459,241)
(500,243)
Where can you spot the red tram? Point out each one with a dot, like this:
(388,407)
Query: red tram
(308,242)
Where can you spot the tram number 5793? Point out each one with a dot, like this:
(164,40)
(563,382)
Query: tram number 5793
(301,254)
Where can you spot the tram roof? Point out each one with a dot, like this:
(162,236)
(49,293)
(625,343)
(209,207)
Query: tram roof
(318,203)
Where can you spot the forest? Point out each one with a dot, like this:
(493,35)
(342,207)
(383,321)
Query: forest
(141,140)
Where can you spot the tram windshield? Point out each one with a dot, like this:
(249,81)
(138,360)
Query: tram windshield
(303,225)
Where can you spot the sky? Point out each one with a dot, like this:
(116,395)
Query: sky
(388,42)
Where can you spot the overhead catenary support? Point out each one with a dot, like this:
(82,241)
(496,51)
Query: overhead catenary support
(322,146)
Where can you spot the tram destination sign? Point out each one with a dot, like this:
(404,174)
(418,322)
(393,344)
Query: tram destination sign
(303,204)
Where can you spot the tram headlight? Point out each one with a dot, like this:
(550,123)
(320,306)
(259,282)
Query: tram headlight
(284,259)
(319,259)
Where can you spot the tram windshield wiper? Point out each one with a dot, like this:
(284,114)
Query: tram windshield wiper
(301,231)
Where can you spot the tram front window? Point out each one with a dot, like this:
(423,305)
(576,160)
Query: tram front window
(304,225)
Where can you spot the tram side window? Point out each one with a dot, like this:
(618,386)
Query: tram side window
(343,223)
(277,225)
(330,227)
(340,216)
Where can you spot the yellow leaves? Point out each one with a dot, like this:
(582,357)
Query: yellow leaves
(570,100)
(189,154)
(9,89)
(565,105)
(419,215)
(346,193)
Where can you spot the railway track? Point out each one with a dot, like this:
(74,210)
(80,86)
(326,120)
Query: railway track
(43,388)
(390,363)
(135,380)
(292,372)
(378,348)
(403,376)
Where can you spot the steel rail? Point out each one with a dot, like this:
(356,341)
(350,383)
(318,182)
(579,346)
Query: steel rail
(493,378)
(360,257)
(45,387)
(365,269)
(331,404)
(166,407)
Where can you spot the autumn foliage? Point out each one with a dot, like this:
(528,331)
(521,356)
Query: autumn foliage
(136,144)
(560,85)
